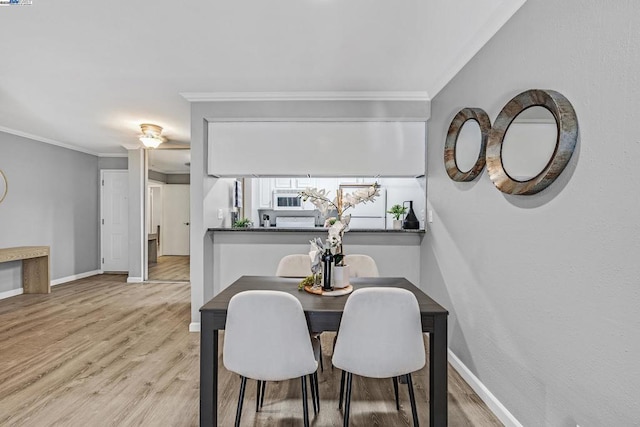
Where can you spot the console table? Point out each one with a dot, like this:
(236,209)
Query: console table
(35,267)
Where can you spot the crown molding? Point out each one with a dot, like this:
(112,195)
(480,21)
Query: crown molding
(113,155)
(58,143)
(305,96)
(48,141)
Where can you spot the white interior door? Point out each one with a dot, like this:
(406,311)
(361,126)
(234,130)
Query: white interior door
(114,208)
(175,227)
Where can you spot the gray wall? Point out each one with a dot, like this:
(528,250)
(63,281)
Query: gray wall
(178,178)
(157,176)
(169,178)
(53,200)
(544,290)
(113,163)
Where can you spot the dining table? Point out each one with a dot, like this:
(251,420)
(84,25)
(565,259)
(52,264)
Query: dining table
(323,313)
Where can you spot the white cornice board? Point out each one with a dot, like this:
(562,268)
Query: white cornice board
(316,148)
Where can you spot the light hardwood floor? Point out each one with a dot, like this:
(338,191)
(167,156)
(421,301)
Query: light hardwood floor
(100,352)
(170,268)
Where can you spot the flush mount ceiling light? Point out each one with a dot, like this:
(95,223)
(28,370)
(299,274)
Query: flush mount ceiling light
(150,137)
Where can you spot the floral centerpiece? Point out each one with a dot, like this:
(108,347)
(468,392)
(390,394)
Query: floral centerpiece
(338,224)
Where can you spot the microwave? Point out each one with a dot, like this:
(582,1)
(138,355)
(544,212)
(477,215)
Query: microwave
(286,200)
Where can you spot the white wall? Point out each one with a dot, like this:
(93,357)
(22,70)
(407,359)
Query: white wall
(544,290)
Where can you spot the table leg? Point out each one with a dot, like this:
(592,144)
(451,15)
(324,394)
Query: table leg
(208,373)
(35,275)
(438,373)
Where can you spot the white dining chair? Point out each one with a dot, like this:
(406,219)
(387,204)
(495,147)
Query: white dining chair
(296,265)
(266,339)
(299,265)
(380,336)
(361,265)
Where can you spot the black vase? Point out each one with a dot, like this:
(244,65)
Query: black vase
(327,260)
(411,221)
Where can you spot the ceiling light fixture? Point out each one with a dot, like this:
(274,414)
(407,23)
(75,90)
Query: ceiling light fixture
(150,137)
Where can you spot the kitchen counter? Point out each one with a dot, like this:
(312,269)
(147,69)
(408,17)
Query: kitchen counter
(314,230)
(234,252)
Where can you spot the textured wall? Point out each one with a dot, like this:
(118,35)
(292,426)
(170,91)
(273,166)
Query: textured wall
(53,200)
(544,290)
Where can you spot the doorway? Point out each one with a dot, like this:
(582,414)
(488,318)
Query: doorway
(167,215)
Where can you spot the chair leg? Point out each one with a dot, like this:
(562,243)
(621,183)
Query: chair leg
(264,386)
(395,390)
(258,388)
(305,404)
(321,364)
(347,400)
(243,384)
(341,389)
(315,378)
(412,397)
(313,394)
(335,338)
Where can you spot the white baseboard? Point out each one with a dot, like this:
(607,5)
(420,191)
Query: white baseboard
(194,327)
(483,392)
(75,277)
(19,291)
(134,279)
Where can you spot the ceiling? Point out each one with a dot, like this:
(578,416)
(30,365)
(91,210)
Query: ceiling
(85,74)
(170,161)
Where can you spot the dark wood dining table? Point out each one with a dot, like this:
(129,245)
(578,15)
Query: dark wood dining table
(323,314)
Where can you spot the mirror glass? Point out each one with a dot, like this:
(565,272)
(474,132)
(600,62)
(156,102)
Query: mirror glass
(468,145)
(3,186)
(167,214)
(529,143)
(169,161)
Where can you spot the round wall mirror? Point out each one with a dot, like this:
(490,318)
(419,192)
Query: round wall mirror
(465,146)
(529,143)
(4,186)
(526,163)
(468,145)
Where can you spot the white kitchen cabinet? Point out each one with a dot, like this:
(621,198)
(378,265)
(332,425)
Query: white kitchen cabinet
(358,180)
(293,183)
(302,183)
(354,149)
(284,183)
(265,191)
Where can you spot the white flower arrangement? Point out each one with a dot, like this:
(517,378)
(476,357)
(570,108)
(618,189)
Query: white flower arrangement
(339,224)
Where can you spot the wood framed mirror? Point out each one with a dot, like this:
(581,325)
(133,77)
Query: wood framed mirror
(4,186)
(466,143)
(566,123)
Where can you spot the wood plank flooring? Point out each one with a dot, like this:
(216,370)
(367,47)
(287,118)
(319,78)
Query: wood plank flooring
(170,268)
(100,352)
